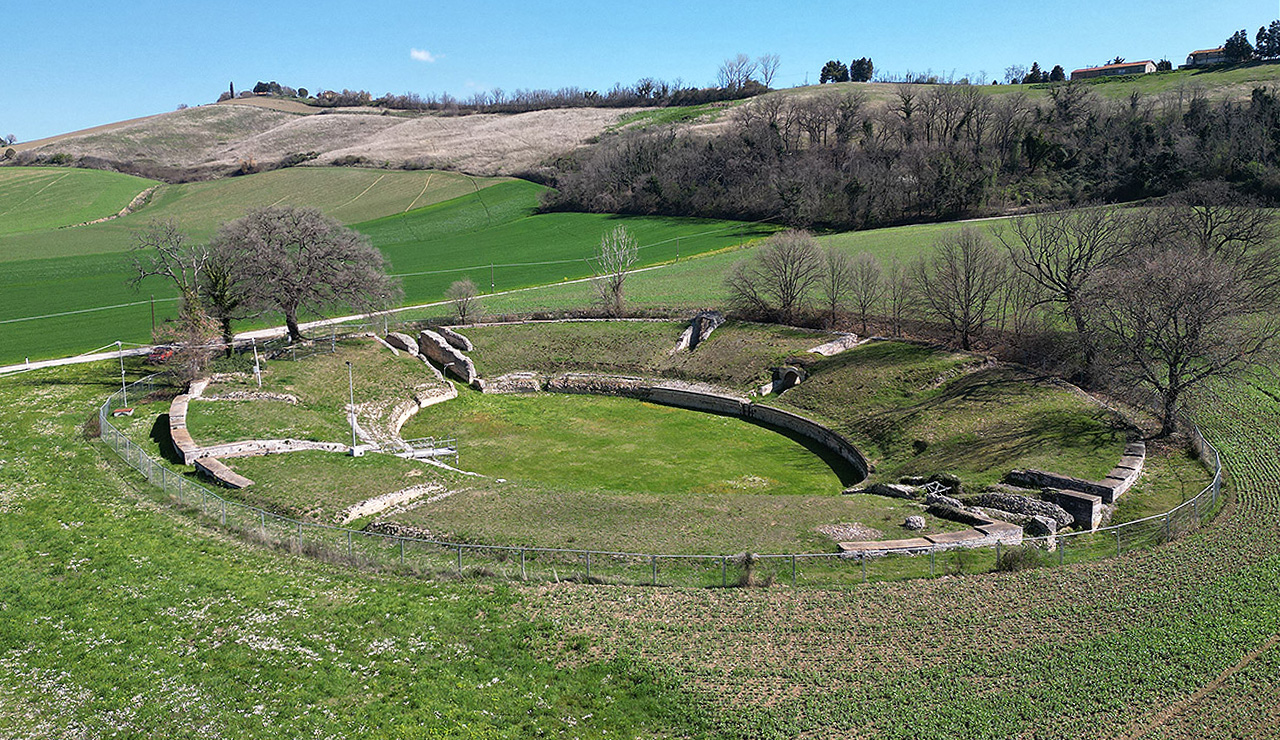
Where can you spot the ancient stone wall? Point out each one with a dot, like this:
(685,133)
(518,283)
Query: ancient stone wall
(456,340)
(437,349)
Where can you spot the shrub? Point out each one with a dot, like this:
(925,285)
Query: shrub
(1014,559)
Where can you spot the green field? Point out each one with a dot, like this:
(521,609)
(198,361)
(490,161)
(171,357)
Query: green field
(45,198)
(491,236)
(622,445)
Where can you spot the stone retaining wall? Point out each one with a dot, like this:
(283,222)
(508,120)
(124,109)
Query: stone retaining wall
(456,340)
(1120,479)
(220,473)
(437,348)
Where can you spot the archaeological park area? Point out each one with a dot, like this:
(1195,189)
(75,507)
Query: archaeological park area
(899,405)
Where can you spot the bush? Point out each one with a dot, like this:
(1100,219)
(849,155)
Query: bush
(1019,558)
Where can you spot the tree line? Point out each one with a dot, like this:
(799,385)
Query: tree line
(939,153)
(1158,299)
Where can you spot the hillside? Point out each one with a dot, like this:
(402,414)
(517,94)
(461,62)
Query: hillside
(216,140)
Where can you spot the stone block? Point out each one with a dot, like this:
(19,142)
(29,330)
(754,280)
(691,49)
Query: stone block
(1084,508)
(402,342)
(438,350)
(883,546)
(456,340)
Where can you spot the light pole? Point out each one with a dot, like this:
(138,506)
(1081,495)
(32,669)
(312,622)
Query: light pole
(124,391)
(257,365)
(351,390)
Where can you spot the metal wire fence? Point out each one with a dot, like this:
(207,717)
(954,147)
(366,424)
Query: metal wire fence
(440,559)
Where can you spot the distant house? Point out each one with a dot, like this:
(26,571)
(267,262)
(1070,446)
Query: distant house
(1206,58)
(1110,70)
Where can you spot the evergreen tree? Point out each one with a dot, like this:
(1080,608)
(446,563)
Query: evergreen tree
(1035,75)
(1237,48)
(861,70)
(833,71)
(1057,74)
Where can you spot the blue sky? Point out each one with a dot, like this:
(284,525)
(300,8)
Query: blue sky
(69,65)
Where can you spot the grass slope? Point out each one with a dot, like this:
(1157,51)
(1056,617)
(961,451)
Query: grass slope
(46,198)
(428,247)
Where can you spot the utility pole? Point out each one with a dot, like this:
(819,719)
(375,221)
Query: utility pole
(124,391)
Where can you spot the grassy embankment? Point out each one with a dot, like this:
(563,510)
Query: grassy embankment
(448,235)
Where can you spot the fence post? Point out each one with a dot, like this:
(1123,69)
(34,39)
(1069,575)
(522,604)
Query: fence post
(459,561)
(401,551)
(724,572)
(588,566)
(932,570)
(263,516)
(793,569)
(223,516)
(862,557)
(299,535)
(997,553)
(1117,543)
(1062,547)
(348,543)
(1167,531)
(524,574)
(653,570)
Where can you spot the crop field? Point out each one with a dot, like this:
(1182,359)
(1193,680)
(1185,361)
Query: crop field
(43,198)
(78,288)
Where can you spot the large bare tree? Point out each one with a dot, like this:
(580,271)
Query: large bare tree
(617,256)
(297,259)
(1060,251)
(1170,319)
(778,281)
(959,282)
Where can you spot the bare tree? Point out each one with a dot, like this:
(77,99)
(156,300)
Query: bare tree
(777,282)
(297,259)
(767,64)
(193,338)
(162,250)
(1170,319)
(466,300)
(897,293)
(867,288)
(1060,251)
(618,254)
(959,282)
(736,72)
(836,281)
(1213,219)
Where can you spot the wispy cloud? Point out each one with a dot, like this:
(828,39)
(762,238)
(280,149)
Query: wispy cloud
(422,55)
